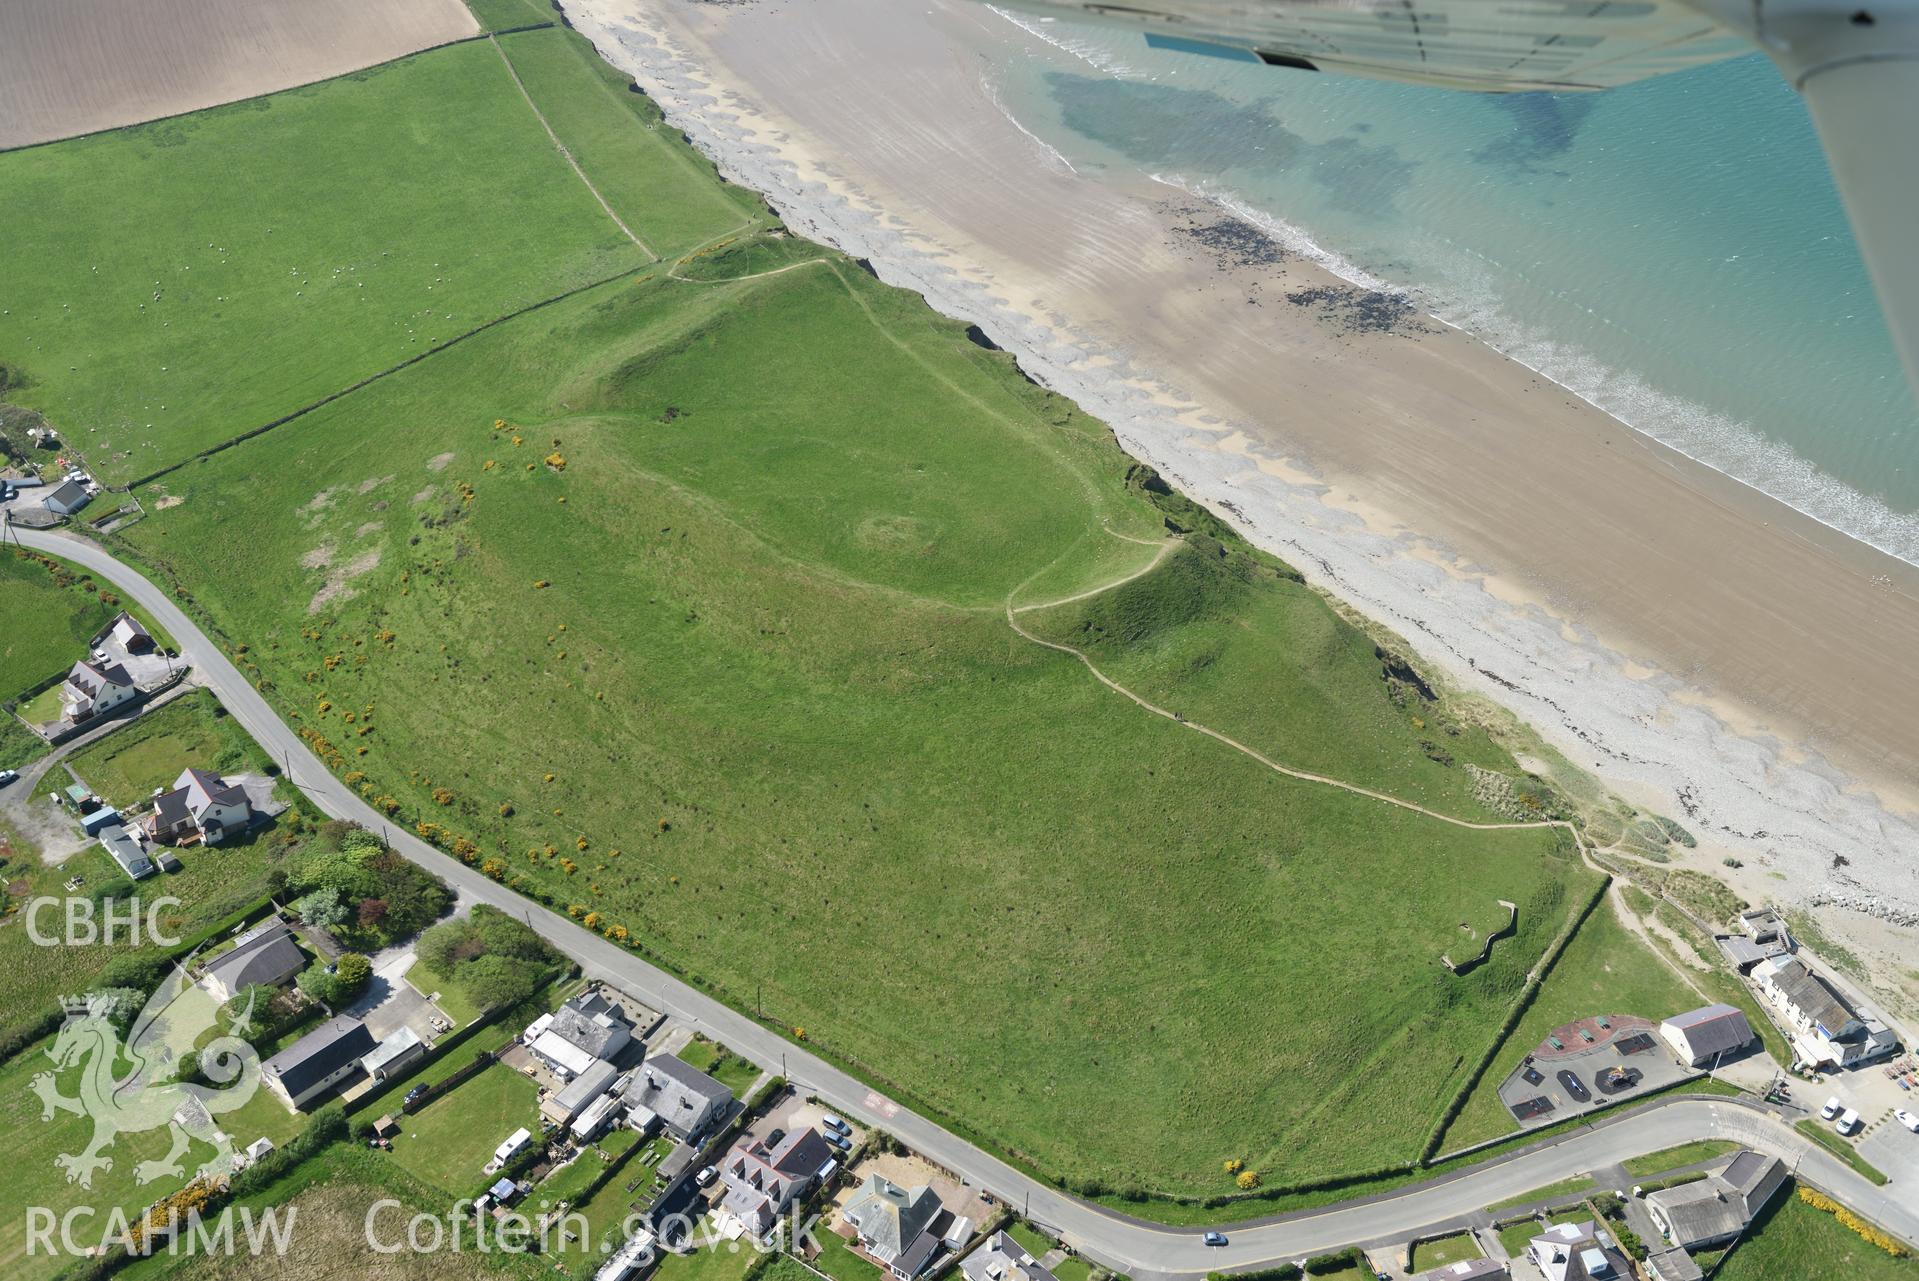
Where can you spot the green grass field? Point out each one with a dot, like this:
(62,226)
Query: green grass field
(292,245)
(1794,1240)
(212,885)
(684,603)
(1604,970)
(328,1197)
(810,687)
(448,1143)
(191,731)
(48,624)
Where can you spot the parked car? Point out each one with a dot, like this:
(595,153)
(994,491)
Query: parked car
(417,1092)
(1831,1109)
(7,776)
(839,1141)
(1215,1238)
(832,1122)
(1907,1119)
(704,1177)
(99,656)
(1848,1122)
(773,1139)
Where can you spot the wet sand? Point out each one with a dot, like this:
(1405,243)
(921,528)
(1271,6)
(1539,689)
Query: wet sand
(70,67)
(1704,650)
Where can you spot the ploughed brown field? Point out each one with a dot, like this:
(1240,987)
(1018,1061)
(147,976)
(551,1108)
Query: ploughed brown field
(77,66)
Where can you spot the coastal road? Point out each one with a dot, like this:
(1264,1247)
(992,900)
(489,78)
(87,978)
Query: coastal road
(1107,1237)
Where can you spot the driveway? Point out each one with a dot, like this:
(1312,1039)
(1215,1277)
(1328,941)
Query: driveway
(391,1003)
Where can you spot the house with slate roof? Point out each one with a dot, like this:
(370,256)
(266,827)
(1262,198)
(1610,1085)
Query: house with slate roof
(587,1028)
(895,1226)
(681,1098)
(318,1061)
(762,1181)
(202,806)
(94,689)
(1712,1211)
(266,954)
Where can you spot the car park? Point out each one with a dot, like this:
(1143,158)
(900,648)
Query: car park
(1907,1119)
(1215,1238)
(1831,1109)
(1848,1122)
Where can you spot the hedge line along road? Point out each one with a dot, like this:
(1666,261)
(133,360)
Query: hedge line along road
(1105,1236)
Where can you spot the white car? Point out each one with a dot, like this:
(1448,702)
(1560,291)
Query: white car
(1831,1109)
(7,776)
(1848,1122)
(1907,1119)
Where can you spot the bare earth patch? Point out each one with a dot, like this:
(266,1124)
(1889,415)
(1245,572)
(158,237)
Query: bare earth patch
(371,527)
(438,462)
(319,558)
(372,483)
(337,582)
(77,66)
(423,495)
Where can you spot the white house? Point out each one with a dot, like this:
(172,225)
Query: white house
(1828,1028)
(202,805)
(94,689)
(1577,1252)
(318,1061)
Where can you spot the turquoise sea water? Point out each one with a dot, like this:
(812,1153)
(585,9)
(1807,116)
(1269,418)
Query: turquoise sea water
(1673,251)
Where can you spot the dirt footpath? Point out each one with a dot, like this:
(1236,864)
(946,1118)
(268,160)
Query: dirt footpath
(75,66)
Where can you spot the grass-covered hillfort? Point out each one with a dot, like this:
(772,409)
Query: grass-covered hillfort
(679,596)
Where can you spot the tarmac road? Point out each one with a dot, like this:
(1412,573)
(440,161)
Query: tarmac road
(1110,1238)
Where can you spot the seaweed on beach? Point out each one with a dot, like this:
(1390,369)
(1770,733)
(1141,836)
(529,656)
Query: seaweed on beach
(1234,242)
(1353,310)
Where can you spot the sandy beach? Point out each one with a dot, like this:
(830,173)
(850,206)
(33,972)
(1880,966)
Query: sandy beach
(70,67)
(1705,651)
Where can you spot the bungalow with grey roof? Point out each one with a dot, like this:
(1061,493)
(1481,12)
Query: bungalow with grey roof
(266,955)
(895,1226)
(126,850)
(318,1061)
(1713,1210)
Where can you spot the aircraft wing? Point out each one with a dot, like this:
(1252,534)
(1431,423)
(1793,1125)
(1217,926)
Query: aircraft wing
(1484,45)
(1856,62)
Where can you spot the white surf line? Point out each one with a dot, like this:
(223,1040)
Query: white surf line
(565,154)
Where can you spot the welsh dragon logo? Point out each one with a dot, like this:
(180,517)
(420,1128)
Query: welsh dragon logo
(149,1095)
